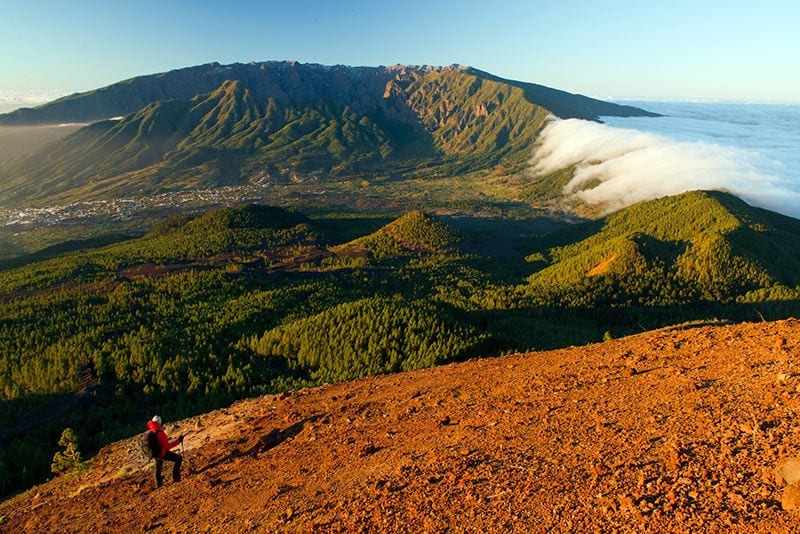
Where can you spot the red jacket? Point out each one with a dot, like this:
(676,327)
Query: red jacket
(163,440)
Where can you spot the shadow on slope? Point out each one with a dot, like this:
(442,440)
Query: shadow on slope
(269,441)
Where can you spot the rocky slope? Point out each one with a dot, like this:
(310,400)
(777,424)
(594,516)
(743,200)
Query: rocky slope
(669,431)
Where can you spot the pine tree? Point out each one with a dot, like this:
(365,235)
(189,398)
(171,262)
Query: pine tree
(70,457)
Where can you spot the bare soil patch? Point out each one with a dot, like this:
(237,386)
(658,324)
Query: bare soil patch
(668,431)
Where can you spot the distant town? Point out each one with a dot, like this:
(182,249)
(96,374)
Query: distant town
(123,209)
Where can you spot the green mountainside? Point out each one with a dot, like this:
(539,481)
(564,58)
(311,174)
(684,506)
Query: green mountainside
(412,234)
(701,245)
(276,122)
(242,301)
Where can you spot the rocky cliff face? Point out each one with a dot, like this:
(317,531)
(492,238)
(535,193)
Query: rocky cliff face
(360,88)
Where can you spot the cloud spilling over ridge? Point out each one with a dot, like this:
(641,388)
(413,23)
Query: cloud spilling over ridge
(617,167)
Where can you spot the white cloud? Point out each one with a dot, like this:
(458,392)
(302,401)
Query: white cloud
(632,166)
(11,100)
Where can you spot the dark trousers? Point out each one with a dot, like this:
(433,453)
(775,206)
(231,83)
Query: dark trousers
(176,460)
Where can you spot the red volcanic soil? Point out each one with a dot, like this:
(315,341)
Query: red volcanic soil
(667,431)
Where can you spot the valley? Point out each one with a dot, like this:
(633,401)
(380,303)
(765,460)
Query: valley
(250,290)
(225,232)
(26,231)
(399,267)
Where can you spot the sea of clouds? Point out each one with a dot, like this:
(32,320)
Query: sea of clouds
(15,99)
(750,150)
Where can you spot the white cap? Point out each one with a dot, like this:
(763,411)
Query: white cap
(156,419)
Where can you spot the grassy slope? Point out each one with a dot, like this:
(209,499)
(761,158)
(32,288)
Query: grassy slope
(197,143)
(709,241)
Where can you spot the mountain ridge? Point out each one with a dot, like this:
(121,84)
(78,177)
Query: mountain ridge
(121,98)
(278,122)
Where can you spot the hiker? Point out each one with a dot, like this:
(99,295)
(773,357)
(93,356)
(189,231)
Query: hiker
(160,449)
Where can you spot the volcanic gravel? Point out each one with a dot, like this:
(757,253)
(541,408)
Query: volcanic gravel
(677,430)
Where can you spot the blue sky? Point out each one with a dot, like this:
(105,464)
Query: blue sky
(731,50)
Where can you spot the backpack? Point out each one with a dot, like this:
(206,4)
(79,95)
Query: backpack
(150,445)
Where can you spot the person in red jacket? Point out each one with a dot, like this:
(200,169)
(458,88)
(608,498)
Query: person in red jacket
(154,425)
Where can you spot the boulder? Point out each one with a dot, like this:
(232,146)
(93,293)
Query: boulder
(787,472)
(791,498)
